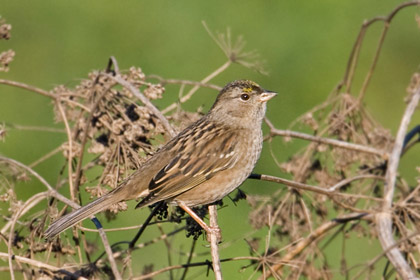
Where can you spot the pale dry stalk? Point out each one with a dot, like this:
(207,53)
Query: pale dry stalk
(384,218)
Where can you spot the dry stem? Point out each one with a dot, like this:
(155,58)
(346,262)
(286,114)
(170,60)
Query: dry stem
(327,141)
(214,243)
(384,218)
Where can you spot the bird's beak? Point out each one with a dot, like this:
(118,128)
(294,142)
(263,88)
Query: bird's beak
(267,95)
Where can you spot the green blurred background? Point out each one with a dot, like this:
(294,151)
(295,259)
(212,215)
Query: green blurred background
(305,46)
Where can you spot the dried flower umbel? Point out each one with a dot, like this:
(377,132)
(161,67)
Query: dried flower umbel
(118,132)
(6,57)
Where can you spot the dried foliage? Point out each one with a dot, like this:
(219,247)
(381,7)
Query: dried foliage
(7,56)
(339,188)
(105,119)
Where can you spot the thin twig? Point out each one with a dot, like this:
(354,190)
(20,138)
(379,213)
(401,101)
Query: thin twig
(28,87)
(190,256)
(186,97)
(33,173)
(73,191)
(164,81)
(46,156)
(70,150)
(384,218)
(31,202)
(351,179)
(301,186)
(78,173)
(387,20)
(110,254)
(52,192)
(168,248)
(157,272)
(214,243)
(149,105)
(206,263)
(327,141)
(32,262)
(370,264)
(313,236)
(373,65)
(35,128)
(353,59)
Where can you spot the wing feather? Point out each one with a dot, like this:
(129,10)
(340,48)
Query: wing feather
(195,163)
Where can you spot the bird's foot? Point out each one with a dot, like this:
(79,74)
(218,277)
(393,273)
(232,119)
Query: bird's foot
(214,231)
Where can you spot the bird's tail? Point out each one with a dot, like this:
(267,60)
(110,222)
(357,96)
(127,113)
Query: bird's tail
(82,213)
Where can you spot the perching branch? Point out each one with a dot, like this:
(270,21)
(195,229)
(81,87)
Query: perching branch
(214,243)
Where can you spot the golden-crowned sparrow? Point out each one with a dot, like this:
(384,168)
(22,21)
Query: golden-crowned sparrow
(202,164)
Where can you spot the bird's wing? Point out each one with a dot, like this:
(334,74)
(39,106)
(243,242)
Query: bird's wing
(194,163)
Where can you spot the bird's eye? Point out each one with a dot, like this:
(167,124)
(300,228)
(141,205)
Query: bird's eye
(244,96)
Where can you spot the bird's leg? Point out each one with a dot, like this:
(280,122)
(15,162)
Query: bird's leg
(209,230)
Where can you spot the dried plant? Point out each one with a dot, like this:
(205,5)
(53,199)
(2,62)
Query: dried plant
(344,182)
(6,56)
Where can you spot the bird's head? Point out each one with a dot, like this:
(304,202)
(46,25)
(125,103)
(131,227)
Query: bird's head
(242,99)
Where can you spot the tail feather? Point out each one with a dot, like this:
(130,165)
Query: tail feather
(80,214)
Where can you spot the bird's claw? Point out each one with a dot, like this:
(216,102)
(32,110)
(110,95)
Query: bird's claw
(214,231)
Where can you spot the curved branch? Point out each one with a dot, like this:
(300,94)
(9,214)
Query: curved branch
(52,192)
(24,208)
(384,218)
(354,55)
